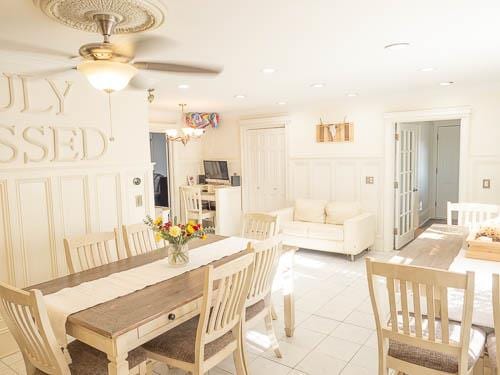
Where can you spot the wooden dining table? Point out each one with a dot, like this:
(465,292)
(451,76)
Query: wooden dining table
(443,247)
(122,324)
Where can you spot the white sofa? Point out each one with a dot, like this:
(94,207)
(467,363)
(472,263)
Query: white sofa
(338,227)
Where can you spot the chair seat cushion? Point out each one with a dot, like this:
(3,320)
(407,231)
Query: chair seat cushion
(491,346)
(89,361)
(254,309)
(437,360)
(179,343)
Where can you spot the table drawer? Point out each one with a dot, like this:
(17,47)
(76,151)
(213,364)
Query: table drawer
(172,319)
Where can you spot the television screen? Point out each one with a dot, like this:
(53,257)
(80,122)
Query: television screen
(216,170)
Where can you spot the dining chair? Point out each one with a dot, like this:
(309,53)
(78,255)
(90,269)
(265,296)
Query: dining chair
(193,207)
(139,239)
(26,318)
(492,344)
(259,226)
(90,250)
(415,335)
(471,215)
(258,304)
(202,342)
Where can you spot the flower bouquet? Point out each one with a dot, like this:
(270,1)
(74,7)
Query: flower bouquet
(178,236)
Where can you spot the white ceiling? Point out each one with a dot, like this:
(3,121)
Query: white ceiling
(339,43)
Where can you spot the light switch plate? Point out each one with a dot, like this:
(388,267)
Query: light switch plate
(486,183)
(138,200)
(370,180)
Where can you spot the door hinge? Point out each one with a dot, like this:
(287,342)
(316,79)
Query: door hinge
(436,170)
(396,185)
(435,203)
(396,136)
(395,231)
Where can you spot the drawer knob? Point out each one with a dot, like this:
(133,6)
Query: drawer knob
(171,316)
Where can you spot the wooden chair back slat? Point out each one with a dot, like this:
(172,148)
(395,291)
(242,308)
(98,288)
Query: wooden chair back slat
(259,226)
(223,307)
(472,215)
(191,199)
(496,313)
(406,325)
(267,254)
(27,320)
(139,239)
(90,251)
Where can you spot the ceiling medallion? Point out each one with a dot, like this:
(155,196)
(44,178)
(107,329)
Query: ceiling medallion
(133,15)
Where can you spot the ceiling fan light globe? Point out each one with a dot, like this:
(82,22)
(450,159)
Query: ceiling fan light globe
(107,76)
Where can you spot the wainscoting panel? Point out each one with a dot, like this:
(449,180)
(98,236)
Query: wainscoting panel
(108,196)
(340,179)
(5,236)
(74,203)
(37,230)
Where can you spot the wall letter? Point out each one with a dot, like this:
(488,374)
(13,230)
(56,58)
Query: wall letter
(13,148)
(11,92)
(85,143)
(60,97)
(59,143)
(27,138)
(24,81)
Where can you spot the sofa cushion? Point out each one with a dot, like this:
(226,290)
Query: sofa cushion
(338,212)
(295,228)
(310,210)
(328,232)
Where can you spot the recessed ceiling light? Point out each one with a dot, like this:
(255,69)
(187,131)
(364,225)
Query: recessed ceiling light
(351,94)
(268,70)
(446,83)
(428,69)
(183,86)
(240,96)
(397,46)
(318,85)
(281,103)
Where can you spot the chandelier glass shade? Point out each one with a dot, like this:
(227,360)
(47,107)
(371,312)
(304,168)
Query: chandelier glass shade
(108,76)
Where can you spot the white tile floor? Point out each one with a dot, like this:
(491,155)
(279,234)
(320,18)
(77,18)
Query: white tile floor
(335,331)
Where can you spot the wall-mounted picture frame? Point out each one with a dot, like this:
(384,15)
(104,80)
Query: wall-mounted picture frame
(340,132)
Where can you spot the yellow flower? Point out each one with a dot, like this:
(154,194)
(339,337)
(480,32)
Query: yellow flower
(158,237)
(204,237)
(189,229)
(158,221)
(175,231)
(192,222)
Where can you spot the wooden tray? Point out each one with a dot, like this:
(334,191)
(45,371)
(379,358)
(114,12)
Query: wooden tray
(481,249)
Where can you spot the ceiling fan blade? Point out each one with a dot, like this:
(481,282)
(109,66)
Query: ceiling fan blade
(143,46)
(13,46)
(177,68)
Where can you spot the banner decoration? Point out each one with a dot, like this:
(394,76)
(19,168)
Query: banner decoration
(199,120)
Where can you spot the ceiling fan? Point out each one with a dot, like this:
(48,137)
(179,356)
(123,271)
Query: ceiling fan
(110,67)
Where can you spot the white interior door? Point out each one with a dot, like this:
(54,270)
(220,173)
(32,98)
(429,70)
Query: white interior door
(265,169)
(448,167)
(405,184)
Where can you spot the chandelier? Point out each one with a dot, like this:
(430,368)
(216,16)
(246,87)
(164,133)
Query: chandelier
(186,133)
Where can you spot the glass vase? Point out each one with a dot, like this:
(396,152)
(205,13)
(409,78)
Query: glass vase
(178,255)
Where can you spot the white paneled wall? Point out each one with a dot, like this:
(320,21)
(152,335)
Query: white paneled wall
(340,179)
(38,212)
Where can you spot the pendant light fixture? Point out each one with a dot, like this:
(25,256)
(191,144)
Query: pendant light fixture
(186,133)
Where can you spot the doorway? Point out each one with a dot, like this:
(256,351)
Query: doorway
(427,168)
(161,181)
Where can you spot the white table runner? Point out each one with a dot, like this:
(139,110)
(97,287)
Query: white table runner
(482,314)
(68,301)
